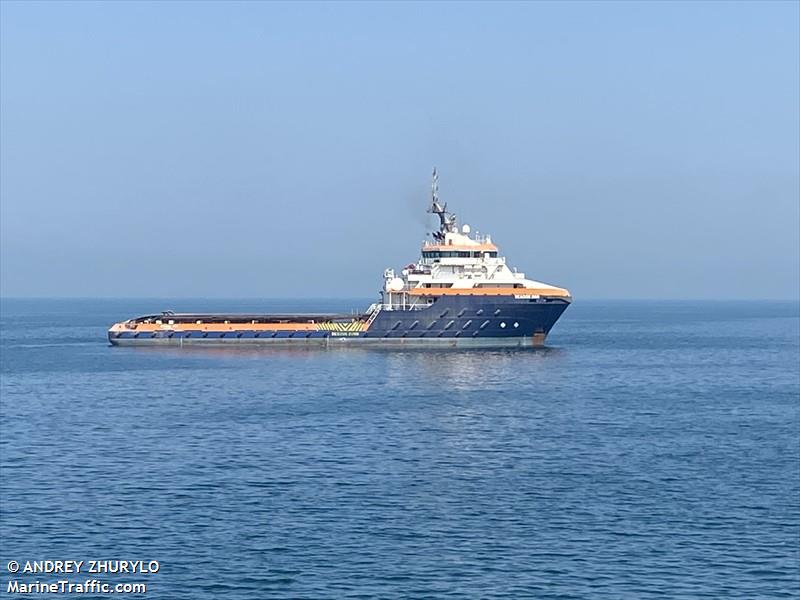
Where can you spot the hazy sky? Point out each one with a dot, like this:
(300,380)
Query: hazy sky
(631,150)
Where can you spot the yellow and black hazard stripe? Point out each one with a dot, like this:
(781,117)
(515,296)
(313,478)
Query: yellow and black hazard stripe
(352,326)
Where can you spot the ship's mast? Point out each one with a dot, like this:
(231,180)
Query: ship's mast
(447,221)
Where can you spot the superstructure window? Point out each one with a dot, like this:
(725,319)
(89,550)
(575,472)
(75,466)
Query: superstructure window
(436,254)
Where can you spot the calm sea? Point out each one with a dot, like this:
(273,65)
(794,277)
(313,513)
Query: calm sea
(652,450)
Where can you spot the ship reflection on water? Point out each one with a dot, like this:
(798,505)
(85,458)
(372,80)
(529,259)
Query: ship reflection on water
(446,368)
(463,359)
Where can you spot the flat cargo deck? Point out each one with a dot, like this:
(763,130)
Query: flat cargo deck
(174,318)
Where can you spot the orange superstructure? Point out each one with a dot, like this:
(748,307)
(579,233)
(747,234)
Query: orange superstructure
(484,247)
(491,291)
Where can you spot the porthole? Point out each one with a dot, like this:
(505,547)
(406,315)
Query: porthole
(516,324)
(503,325)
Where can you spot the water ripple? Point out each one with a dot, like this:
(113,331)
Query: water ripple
(652,452)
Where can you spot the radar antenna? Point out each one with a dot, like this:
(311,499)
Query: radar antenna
(447,221)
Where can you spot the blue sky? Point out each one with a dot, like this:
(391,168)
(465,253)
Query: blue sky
(622,150)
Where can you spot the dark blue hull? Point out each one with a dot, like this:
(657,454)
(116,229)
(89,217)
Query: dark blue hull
(455,320)
(471,317)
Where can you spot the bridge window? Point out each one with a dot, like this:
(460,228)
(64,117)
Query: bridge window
(437,254)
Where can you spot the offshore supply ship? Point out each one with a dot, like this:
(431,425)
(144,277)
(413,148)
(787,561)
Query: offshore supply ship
(459,292)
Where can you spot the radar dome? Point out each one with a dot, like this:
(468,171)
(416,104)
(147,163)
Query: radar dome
(396,284)
(465,228)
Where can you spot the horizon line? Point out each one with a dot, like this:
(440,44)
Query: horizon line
(323,298)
